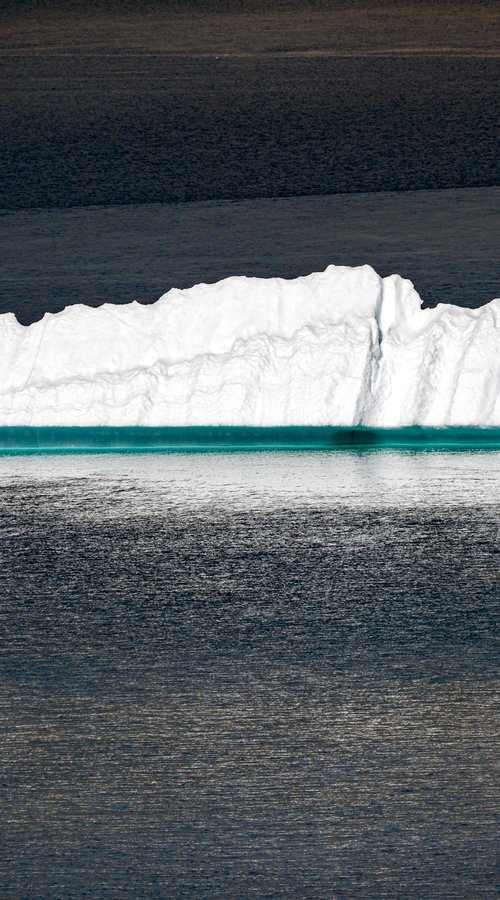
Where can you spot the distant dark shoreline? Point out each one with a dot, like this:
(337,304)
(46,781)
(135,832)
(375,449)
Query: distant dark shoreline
(120,130)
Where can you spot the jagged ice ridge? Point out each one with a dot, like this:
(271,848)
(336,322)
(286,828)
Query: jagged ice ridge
(342,347)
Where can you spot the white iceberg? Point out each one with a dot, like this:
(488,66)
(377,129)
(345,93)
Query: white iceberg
(342,347)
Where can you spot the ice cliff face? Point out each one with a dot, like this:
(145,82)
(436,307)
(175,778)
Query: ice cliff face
(341,347)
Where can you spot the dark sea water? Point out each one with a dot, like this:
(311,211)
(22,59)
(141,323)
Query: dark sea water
(264,675)
(445,241)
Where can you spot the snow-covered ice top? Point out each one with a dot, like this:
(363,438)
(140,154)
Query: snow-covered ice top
(340,347)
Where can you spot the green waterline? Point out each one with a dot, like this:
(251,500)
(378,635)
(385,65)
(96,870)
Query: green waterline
(104,439)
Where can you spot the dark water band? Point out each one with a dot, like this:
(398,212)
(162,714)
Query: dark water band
(72,439)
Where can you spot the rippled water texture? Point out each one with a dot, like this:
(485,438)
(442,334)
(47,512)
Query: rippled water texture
(248,675)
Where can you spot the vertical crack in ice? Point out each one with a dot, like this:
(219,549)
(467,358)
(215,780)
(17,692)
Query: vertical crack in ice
(368,393)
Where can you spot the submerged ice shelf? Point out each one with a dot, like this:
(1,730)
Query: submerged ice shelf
(342,348)
(137,439)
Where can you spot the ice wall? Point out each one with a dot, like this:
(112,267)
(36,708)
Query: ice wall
(340,347)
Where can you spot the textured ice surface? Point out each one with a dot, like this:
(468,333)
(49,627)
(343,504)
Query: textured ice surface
(340,347)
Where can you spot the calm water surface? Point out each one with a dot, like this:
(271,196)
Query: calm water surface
(263,675)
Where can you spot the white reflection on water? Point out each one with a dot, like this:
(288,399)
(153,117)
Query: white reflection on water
(367,479)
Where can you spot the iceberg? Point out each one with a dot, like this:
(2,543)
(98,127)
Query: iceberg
(343,347)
